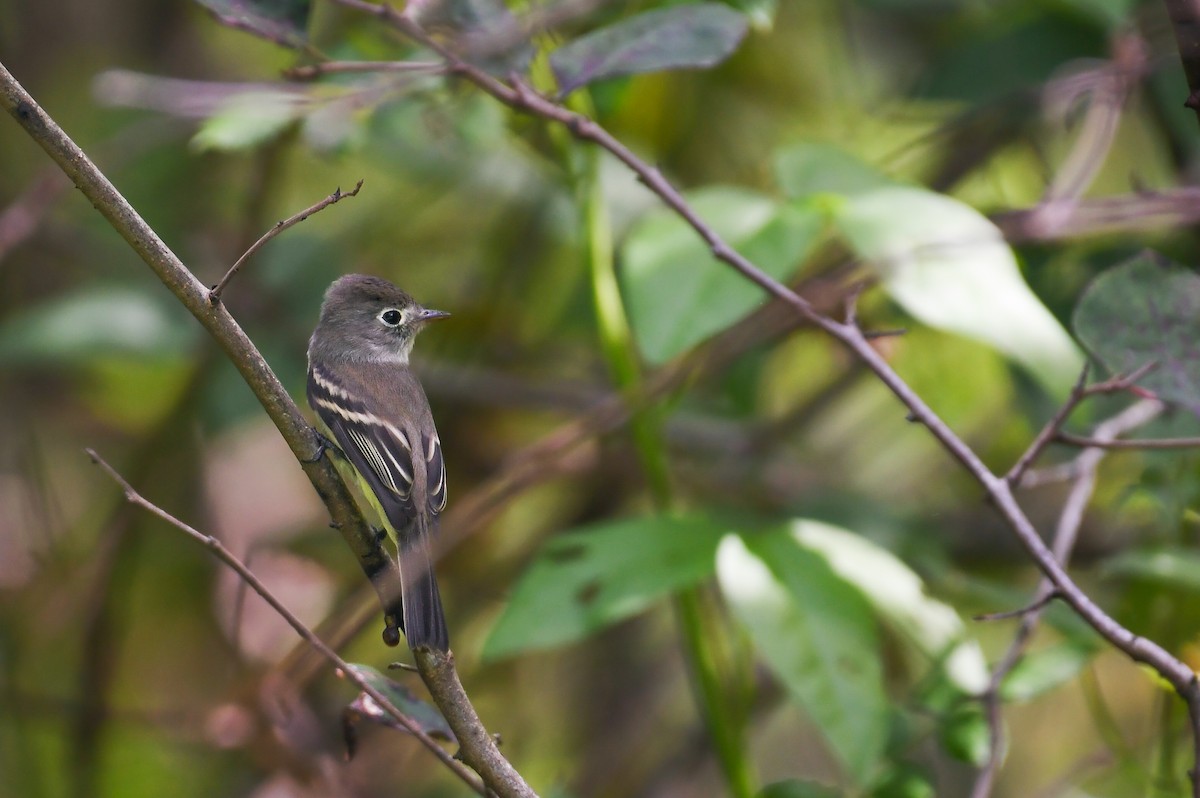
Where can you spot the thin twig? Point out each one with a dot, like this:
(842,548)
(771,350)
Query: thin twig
(1053,428)
(1127,443)
(1047,433)
(314,71)
(248,578)
(1066,533)
(214,296)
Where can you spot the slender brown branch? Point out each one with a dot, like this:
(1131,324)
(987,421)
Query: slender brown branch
(1069,522)
(1053,429)
(1047,433)
(248,578)
(314,71)
(214,296)
(1185,19)
(241,352)
(1127,443)
(522,98)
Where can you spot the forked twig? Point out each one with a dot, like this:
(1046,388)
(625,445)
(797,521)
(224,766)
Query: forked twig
(214,295)
(247,576)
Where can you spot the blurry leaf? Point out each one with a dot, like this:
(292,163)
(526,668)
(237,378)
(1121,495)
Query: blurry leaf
(282,21)
(1142,311)
(590,578)
(1112,14)
(965,736)
(817,168)
(817,634)
(248,119)
(485,32)
(994,61)
(795,788)
(950,267)
(1170,567)
(689,36)
(1045,669)
(679,294)
(427,717)
(903,782)
(898,596)
(759,13)
(98,321)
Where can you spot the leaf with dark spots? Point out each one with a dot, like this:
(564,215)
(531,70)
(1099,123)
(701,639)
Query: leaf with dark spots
(680,37)
(1146,311)
(281,21)
(427,717)
(591,578)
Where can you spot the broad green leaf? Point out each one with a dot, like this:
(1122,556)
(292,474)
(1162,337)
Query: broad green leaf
(1170,567)
(249,119)
(96,321)
(817,634)
(427,717)
(678,293)
(282,21)
(1045,669)
(585,580)
(898,597)
(689,36)
(1146,310)
(949,266)
(809,168)
(795,788)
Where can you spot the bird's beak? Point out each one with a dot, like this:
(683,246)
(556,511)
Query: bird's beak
(429,314)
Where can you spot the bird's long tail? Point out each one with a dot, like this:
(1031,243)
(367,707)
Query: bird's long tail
(424,622)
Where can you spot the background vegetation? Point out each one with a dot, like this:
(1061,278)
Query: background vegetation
(693,547)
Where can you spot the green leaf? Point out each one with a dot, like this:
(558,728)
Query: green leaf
(1045,669)
(964,734)
(1171,567)
(248,119)
(281,21)
(795,788)
(759,13)
(690,36)
(1146,310)
(904,782)
(817,168)
(427,717)
(949,266)
(678,293)
(108,320)
(817,634)
(897,594)
(588,579)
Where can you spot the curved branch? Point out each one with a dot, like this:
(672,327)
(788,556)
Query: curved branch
(262,381)
(523,98)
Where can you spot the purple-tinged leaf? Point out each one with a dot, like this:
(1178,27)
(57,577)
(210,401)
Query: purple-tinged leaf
(281,21)
(1146,310)
(681,37)
(427,717)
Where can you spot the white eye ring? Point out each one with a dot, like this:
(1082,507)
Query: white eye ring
(392,317)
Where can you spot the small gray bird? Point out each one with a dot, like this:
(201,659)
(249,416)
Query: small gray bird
(373,407)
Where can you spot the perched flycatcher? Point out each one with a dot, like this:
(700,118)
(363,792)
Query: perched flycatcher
(369,400)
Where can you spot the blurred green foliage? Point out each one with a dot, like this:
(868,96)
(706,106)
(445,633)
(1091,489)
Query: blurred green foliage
(821,535)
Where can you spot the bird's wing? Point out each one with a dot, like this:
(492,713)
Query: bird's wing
(379,450)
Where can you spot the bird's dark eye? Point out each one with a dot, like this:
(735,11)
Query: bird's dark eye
(391,317)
